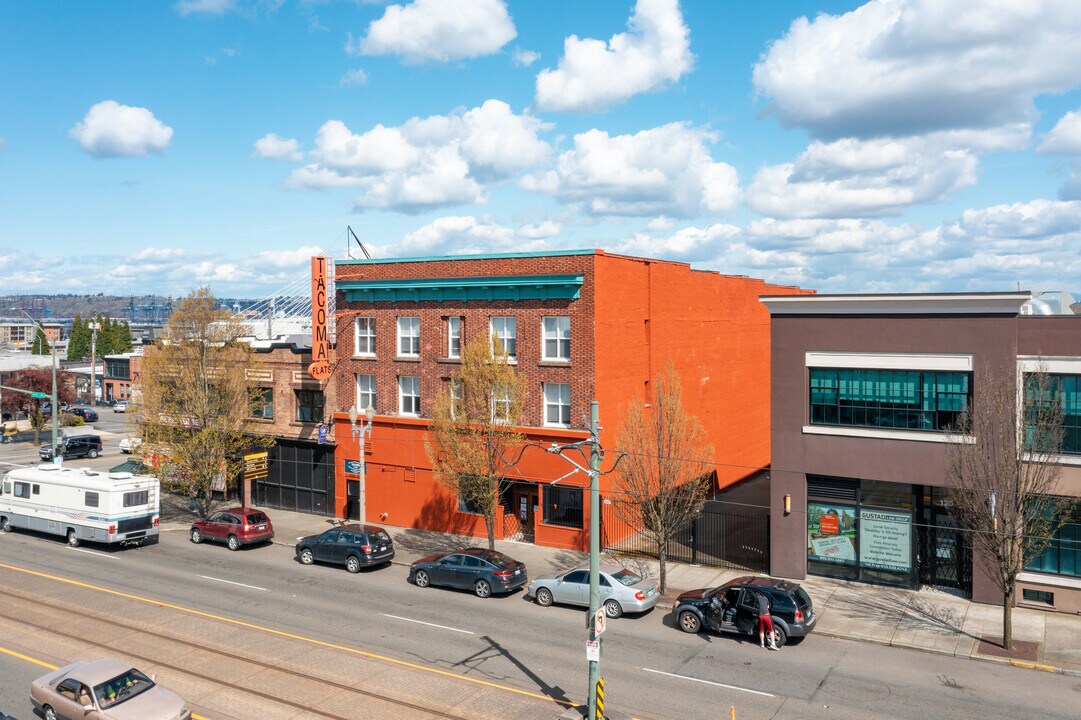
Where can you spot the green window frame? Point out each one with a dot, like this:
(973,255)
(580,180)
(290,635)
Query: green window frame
(1062,556)
(922,400)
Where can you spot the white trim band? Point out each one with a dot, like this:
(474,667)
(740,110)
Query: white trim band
(890,361)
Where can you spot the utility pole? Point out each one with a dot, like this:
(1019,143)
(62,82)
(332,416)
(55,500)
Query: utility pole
(594,553)
(55,410)
(94,327)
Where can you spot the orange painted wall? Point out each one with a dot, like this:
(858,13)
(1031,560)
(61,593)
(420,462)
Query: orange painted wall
(715,331)
(402,491)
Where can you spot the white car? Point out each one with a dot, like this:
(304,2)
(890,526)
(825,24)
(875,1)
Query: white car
(130,444)
(121,406)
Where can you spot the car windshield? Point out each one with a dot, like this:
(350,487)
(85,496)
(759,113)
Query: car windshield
(256,518)
(122,687)
(626,577)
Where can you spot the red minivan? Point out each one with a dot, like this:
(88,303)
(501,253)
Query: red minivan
(234,527)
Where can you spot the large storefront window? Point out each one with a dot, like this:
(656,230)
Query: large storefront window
(904,399)
(862,532)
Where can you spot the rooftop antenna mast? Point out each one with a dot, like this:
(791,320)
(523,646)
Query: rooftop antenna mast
(348,247)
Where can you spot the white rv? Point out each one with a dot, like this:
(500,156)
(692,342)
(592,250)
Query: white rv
(81,504)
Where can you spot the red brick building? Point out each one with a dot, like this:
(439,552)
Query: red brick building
(582,325)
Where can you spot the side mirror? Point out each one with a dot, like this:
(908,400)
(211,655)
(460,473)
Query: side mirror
(154,677)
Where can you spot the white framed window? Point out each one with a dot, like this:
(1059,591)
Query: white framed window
(501,405)
(409,395)
(366,392)
(364,343)
(409,337)
(557,404)
(454,387)
(557,339)
(506,329)
(454,337)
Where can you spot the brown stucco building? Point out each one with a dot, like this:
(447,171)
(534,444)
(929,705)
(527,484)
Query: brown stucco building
(862,389)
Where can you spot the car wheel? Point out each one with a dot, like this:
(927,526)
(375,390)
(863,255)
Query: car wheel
(92,454)
(352,564)
(234,543)
(196,536)
(689,622)
(544,597)
(306,557)
(73,539)
(49,713)
(422,579)
(6,525)
(612,609)
(482,589)
(780,637)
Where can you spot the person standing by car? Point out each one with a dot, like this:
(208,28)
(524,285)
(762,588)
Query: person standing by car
(765,622)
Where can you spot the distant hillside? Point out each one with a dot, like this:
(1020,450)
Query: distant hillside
(138,308)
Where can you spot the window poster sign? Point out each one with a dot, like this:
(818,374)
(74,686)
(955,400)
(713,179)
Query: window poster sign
(831,532)
(886,539)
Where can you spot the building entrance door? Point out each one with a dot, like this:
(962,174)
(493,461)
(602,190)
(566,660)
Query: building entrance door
(525,502)
(945,559)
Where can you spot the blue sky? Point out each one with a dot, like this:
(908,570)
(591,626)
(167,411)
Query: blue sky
(889,146)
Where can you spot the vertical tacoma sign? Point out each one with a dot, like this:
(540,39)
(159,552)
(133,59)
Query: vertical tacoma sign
(320,368)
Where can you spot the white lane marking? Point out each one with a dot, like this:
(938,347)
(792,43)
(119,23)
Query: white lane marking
(421,622)
(709,682)
(253,587)
(93,552)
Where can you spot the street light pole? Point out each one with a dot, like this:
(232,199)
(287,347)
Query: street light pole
(94,327)
(57,459)
(366,429)
(594,552)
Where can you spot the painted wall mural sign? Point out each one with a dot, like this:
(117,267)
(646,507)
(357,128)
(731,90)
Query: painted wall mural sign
(320,368)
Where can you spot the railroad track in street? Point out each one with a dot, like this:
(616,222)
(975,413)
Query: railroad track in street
(261,680)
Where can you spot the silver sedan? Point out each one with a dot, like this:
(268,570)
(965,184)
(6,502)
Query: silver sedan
(622,590)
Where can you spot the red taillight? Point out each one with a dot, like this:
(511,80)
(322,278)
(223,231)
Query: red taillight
(639,595)
(112,529)
(367,549)
(502,573)
(799,616)
(156,521)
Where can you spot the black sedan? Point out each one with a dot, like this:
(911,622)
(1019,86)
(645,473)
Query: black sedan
(733,608)
(86,414)
(477,569)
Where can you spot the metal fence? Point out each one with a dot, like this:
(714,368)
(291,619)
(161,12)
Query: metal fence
(716,538)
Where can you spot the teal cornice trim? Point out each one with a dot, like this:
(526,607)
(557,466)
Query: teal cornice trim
(443,258)
(458,289)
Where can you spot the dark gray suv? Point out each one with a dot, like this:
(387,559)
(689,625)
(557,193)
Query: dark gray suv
(733,608)
(355,546)
(74,446)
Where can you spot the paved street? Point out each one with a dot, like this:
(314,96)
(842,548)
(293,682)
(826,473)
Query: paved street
(509,644)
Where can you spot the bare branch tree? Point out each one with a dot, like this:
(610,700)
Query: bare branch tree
(1004,472)
(665,474)
(195,400)
(473,428)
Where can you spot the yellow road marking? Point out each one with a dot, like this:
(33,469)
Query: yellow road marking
(291,636)
(49,666)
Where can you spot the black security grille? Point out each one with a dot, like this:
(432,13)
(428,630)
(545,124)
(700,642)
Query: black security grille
(133,524)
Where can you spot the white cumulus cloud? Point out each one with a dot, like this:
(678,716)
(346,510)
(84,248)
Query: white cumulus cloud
(114,130)
(357,77)
(1065,137)
(438,31)
(900,67)
(662,171)
(593,75)
(544,229)
(426,163)
(275,147)
(524,58)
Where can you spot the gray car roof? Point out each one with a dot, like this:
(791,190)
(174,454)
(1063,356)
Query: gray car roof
(96,672)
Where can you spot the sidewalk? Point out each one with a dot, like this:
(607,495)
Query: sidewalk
(926,619)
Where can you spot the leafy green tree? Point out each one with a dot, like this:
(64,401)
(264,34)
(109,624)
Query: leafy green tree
(41,344)
(195,400)
(79,340)
(473,428)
